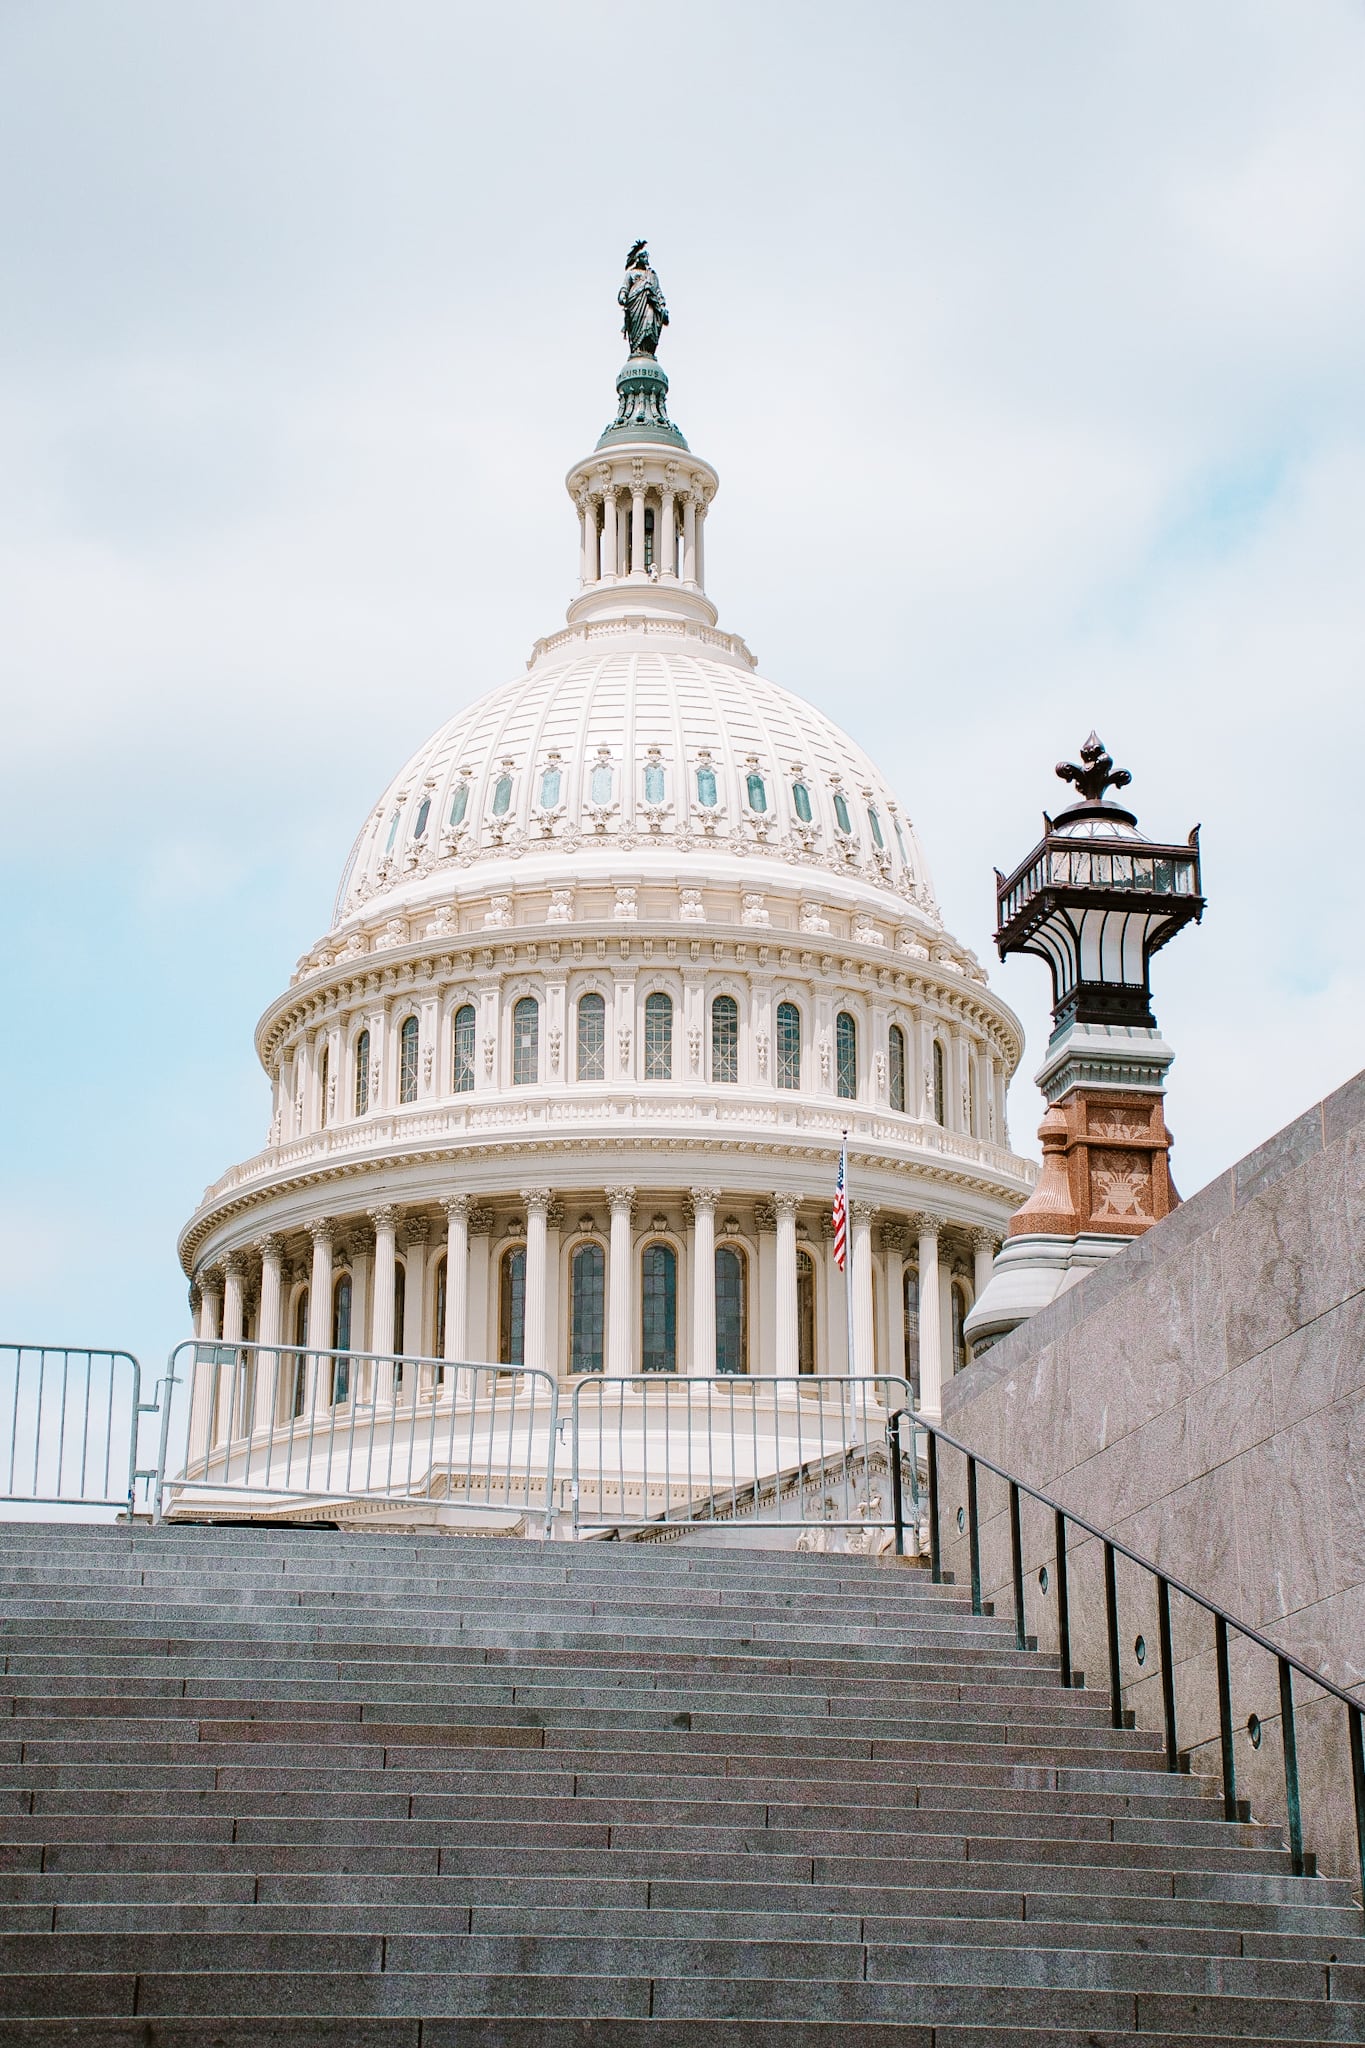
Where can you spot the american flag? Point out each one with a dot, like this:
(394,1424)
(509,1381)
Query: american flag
(840,1216)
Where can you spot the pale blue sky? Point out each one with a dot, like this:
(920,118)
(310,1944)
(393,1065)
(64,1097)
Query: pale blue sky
(1027,341)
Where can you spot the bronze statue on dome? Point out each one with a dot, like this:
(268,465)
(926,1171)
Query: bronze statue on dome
(643,301)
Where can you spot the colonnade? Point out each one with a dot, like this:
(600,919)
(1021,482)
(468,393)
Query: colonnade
(613,525)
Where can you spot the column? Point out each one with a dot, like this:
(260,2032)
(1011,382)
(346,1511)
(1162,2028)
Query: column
(893,1279)
(362,1259)
(234,1267)
(665,540)
(384,1218)
(609,541)
(537,1202)
(457,1277)
(637,531)
(228,1420)
(205,1369)
(689,538)
(210,1284)
(476,1307)
(930,1320)
(985,1245)
(861,1264)
(319,1314)
(788,1350)
(415,1238)
(621,1298)
(269,1362)
(836,1319)
(704,1202)
(701,546)
(763,1300)
(588,509)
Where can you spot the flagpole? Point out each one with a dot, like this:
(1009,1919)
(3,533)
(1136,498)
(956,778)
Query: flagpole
(848,1262)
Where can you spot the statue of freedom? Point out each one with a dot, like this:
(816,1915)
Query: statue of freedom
(646,313)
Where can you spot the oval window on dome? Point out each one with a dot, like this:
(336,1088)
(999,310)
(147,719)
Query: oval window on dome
(458,803)
(654,783)
(502,796)
(758,794)
(599,786)
(423,813)
(706,786)
(875,822)
(801,799)
(549,789)
(393,832)
(841,811)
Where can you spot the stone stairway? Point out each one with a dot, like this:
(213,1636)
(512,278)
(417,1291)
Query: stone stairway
(264,1786)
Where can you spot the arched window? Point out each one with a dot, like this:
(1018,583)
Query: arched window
(658,1037)
(659,1309)
(910,1296)
(757,791)
(464,1049)
(940,1084)
(592,1038)
(654,783)
(502,796)
(801,799)
(805,1312)
(393,832)
(961,1353)
(362,1073)
(458,805)
(588,1308)
(341,1338)
(512,1307)
(549,788)
(525,1042)
(875,822)
(895,1046)
(846,1054)
(324,1080)
(841,811)
(407,1061)
(300,1359)
(732,1317)
(788,1046)
(905,858)
(423,813)
(724,1039)
(706,787)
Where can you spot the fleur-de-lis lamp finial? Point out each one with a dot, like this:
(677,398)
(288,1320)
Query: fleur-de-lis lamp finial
(1095,773)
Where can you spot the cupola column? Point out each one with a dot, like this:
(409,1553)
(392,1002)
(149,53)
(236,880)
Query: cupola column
(457,1277)
(636,565)
(588,510)
(700,569)
(690,539)
(704,1202)
(537,1202)
(788,1347)
(621,1307)
(666,539)
(610,543)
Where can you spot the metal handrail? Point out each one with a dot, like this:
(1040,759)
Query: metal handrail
(1166,1584)
(68,1429)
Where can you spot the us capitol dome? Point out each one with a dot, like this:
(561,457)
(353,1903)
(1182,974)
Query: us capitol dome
(616,958)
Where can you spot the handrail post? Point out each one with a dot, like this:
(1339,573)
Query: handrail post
(893,1446)
(1017,1566)
(1111,1623)
(1291,1767)
(935,1548)
(1063,1601)
(1163,1623)
(973,1536)
(1220,1647)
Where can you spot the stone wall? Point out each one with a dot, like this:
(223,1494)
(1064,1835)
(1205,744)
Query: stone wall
(1202,1398)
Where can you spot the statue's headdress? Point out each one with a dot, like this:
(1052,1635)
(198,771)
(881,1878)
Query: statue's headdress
(639,252)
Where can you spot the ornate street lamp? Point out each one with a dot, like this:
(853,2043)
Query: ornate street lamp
(1096,899)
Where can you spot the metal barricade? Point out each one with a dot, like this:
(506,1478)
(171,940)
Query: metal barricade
(273,1430)
(73,1416)
(658,1450)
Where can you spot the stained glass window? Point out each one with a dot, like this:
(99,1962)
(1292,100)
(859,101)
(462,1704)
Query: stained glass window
(525,1042)
(423,813)
(464,1049)
(549,788)
(940,1084)
(654,783)
(502,795)
(875,822)
(706,786)
(362,1073)
(407,1061)
(788,1046)
(599,785)
(758,794)
(732,1336)
(458,803)
(841,811)
(341,1338)
(724,1039)
(658,1037)
(588,1315)
(801,798)
(659,1309)
(512,1307)
(592,1038)
(846,1054)
(895,1043)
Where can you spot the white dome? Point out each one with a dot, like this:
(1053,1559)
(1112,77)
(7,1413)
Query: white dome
(618,742)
